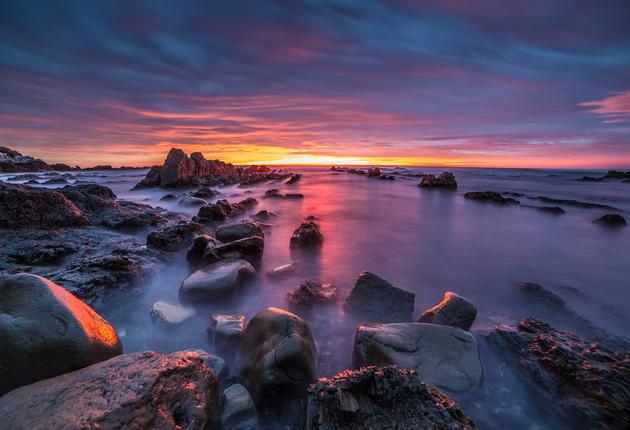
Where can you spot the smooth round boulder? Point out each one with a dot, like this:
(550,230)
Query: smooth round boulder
(454,310)
(45,331)
(278,356)
(240,230)
(217,281)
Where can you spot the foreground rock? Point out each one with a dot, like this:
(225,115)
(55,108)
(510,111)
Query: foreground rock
(169,313)
(612,220)
(443,356)
(445,180)
(491,196)
(142,390)
(454,310)
(222,210)
(307,235)
(173,237)
(239,411)
(277,356)
(217,281)
(241,230)
(198,248)
(380,398)
(584,383)
(376,300)
(249,249)
(46,331)
(310,293)
(226,330)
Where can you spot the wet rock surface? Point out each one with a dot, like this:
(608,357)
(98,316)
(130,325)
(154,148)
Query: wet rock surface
(249,249)
(46,331)
(585,383)
(264,216)
(190,202)
(173,237)
(380,398)
(453,310)
(278,356)
(222,210)
(307,235)
(143,390)
(239,411)
(311,293)
(376,300)
(217,281)
(441,355)
(445,180)
(241,230)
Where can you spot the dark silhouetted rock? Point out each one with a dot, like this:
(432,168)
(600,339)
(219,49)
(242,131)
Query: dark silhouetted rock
(197,250)
(491,196)
(205,193)
(249,249)
(575,203)
(46,331)
(264,216)
(55,181)
(445,180)
(613,174)
(454,310)
(217,281)
(241,230)
(222,210)
(173,237)
(555,210)
(310,293)
(294,178)
(12,161)
(168,197)
(307,235)
(373,172)
(376,300)
(41,253)
(381,398)
(191,202)
(239,411)
(144,390)
(537,293)
(612,220)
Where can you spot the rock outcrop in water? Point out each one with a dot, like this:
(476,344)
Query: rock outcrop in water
(217,281)
(144,390)
(222,210)
(612,220)
(491,196)
(241,230)
(585,383)
(12,161)
(307,235)
(380,398)
(311,293)
(173,237)
(445,180)
(46,331)
(441,355)
(376,300)
(453,310)
(249,249)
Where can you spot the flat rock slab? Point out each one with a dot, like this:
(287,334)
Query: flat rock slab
(144,390)
(217,281)
(441,355)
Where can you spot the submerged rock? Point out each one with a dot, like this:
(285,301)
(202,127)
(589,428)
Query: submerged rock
(538,293)
(239,411)
(285,270)
(173,237)
(222,210)
(441,355)
(380,398)
(277,356)
(491,196)
(375,299)
(191,202)
(575,203)
(274,193)
(168,197)
(445,180)
(264,216)
(46,331)
(584,383)
(141,390)
(170,313)
(217,281)
(205,193)
(453,310)
(226,329)
(307,235)
(241,230)
(612,220)
(310,293)
(294,178)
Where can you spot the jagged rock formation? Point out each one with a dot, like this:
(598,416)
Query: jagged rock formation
(445,180)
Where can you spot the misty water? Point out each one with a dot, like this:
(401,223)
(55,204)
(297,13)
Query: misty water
(424,241)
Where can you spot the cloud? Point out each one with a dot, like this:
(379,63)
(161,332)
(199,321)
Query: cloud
(614,109)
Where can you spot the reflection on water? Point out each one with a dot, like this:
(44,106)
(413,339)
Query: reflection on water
(424,241)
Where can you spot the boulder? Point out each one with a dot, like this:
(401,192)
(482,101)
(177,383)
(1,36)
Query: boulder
(191,202)
(374,172)
(612,220)
(584,383)
(197,249)
(46,331)
(40,253)
(219,367)
(490,196)
(144,390)
(307,235)
(538,293)
(217,281)
(310,293)
(294,178)
(286,270)
(226,329)
(12,161)
(173,237)
(222,210)
(454,310)
(205,193)
(240,230)
(264,216)
(376,300)
(615,174)
(381,398)
(441,355)
(445,180)
(278,356)
(249,249)
(55,181)
(169,313)
(239,411)
(168,197)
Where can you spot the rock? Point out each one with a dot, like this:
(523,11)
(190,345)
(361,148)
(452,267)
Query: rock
(379,301)
(264,216)
(141,391)
(373,172)
(441,355)
(310,293)
(445,180)
(241,230)
(274,193)
(46,331)
(277,356)
(55,181)
(294,196)
(612,220)
(285,270)
(307,235)
(380,398)
(169,313)
(454,310)
(205,193)
(12,161)
(217,281)
(490,196)
(173,237)
(613,174)
(198,248)
(41,253)
(294,178)
(239,411)
(222,210)
(590,179)
(584,383)
(249,249)
(226,329)
(191,202)
(538,293)
(168,197)
(31,182)
(575,203)
(551,209)
(22,206)
(217,365)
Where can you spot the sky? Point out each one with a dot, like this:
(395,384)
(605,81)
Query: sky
(495,83)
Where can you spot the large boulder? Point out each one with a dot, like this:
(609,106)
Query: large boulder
(454,310)
(441,355)
(278,356)
(445,180)
(307,235)
(239,411)
(46,331)
(586,384)
(144,390)
(222,210)
(376,300)
(240,230)
(217,281)
(173,237)
(380,398)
